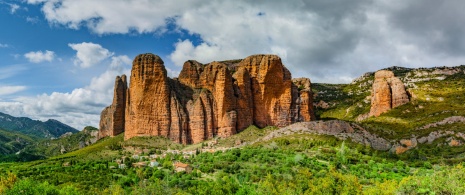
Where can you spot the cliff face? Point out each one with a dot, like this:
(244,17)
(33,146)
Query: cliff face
(388,92)
(209,100)
(112,117)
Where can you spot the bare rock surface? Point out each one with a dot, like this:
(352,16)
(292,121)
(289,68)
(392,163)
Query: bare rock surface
(206,100)
(340,129)
(388,92)
(112,117)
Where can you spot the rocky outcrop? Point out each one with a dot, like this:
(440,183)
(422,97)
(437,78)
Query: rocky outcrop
(304,100)
(388,92)
(148,104)
(340,129)
(112,117)
(215,99)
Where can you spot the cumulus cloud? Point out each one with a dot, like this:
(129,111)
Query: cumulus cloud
(110,16)
(328,41)
(78,108)
(40,56)
(7,90)
(3,45)
(89,54)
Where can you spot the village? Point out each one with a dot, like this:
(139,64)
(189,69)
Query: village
(143,157)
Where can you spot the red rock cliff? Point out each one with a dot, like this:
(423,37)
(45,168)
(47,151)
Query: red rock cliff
(216,99)
(112,117)
(388,92)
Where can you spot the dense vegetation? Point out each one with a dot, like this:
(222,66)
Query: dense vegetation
(303,164)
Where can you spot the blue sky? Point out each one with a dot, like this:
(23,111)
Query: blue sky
(59,58)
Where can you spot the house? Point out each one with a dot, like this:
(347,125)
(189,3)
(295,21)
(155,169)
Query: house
(135,157)
(154,163)
(66,164)
(179,167)
(121,166)
(139,164)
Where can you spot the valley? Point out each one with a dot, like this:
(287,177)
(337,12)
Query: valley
(355,143)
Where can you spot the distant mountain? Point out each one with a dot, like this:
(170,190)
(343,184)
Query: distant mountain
(48,129)
(66,143)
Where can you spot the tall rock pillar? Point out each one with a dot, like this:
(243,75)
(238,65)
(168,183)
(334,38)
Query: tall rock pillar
(112,117)
(148,106)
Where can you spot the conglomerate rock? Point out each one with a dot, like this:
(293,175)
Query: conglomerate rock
(112,117)
(388,92)
(210,100)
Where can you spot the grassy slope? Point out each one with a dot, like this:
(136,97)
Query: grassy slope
(434,101)
(12,142)
(53,147)
(285,158)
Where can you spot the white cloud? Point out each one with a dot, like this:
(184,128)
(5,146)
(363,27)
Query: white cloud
(39,56)
(110,16)
(89,54)
(13,8)
(3,45)
(117,62)
(324,40)
(78,108)
(7,90)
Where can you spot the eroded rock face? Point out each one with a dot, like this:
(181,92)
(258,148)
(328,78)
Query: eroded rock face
(112,118)
(148,105)
(304,100)
(388,92)
(209,100)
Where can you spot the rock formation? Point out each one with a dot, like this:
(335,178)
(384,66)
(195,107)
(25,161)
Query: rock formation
(388,92)
(215,99)
(112,117)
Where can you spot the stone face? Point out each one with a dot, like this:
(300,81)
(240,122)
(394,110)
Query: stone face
(190,74)
(304,100)
(206,101)
(148,105)
(271,89)
(399,94)
(112,117)
(244,96)
(388,92)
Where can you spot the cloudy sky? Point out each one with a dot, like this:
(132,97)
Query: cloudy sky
(59,58)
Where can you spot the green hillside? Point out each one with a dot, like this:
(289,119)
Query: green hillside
(12,142)
(48,129)
(292,164)
(66,143)
(435,96)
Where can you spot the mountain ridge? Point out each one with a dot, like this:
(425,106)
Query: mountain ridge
(48,129)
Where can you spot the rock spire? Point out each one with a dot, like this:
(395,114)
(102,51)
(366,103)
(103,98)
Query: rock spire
(206,100)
